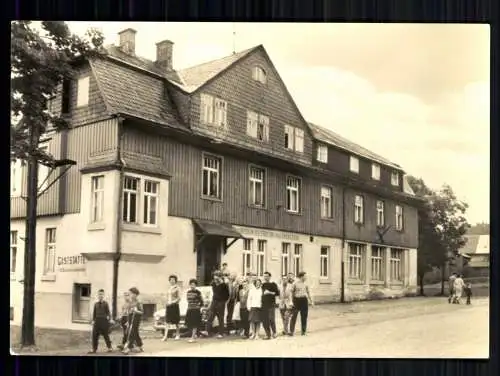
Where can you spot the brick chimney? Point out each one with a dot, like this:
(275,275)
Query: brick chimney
(164,54)
(127,41)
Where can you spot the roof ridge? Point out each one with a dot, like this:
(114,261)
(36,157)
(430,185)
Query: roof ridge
(242,52)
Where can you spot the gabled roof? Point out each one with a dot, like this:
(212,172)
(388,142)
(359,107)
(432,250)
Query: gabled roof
(195,77)
(476,244)
(329,137)
(131,92)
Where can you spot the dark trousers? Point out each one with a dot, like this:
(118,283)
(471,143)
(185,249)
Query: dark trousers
(468,299)
(269,320)
(133,335)
(216,310)
(100,328)
(229,316)
(300,305)
(244,323)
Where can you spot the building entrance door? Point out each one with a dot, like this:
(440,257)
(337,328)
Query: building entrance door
(208,259)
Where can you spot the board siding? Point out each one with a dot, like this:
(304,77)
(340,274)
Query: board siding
(184,162)
(242,93)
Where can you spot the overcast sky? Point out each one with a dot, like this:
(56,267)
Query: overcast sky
(416,94)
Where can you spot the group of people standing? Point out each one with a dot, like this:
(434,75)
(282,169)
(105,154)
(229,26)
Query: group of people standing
(241,305)
(458,288)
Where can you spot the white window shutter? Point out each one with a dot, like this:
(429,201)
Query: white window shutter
(265,122)
(224,114)
(299,140)
(82,97)
(252,119)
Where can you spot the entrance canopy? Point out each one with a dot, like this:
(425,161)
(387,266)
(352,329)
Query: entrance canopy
(204,229)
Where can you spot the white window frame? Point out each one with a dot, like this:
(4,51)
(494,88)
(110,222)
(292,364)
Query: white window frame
(83,92)
(380,213)
(13,251)
(129,192)
(220,113)
(254,181)
(375,171)
(285,258)
(326,202)
(399,218)
(322,153)
(252,123)
(324,258)
(150,194)
(260,257)
(212,173)
(357,254)
(43,171)
(49,262)
(395,178)
(263,128)
(299,140)
(396,265)
(293,184)
(359,209)
(297,258)
(16,178)
(354,164)
(97,199)
(377,263)
(259,74)
(247,252)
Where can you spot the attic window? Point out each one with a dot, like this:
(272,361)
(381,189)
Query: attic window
(259,74)
(354,164)
(395,178)
(82,96)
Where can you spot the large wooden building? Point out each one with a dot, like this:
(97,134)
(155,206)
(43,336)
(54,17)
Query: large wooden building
(180,170)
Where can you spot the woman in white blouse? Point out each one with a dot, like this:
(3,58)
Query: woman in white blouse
(254,305)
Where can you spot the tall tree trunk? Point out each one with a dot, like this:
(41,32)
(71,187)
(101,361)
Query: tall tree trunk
(421,283)
(28,320)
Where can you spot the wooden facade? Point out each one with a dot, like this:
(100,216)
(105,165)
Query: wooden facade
(338,161)
(93,136)
(242,93)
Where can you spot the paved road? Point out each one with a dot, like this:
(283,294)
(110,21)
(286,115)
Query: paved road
(458,332)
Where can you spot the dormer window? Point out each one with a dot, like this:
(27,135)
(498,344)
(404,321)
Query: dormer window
(354,164)
(375,171)
(259,74)
(82,96)
(395,178)
(322,154)
(294,138)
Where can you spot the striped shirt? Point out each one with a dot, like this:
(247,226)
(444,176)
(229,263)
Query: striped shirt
(300,289)
(194,299)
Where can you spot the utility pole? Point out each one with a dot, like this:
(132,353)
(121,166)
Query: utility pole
(28,320)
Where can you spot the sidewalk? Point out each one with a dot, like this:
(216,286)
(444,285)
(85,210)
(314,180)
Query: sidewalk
(321,317)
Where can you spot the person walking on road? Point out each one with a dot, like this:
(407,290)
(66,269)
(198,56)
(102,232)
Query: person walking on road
(101,319)
(458,286)
(124,319)
(135,317)
(220,295)
(451,287)
(468,292)
(285,303)
(172,310)
(254,304)
(269,293)
(301,298)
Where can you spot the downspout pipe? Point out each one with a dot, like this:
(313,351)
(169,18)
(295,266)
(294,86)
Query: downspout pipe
(342,265)
(118,224)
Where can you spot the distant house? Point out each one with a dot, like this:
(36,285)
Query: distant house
(477,249)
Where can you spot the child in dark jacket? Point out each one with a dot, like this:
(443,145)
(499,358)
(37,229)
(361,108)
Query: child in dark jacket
(468,292)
